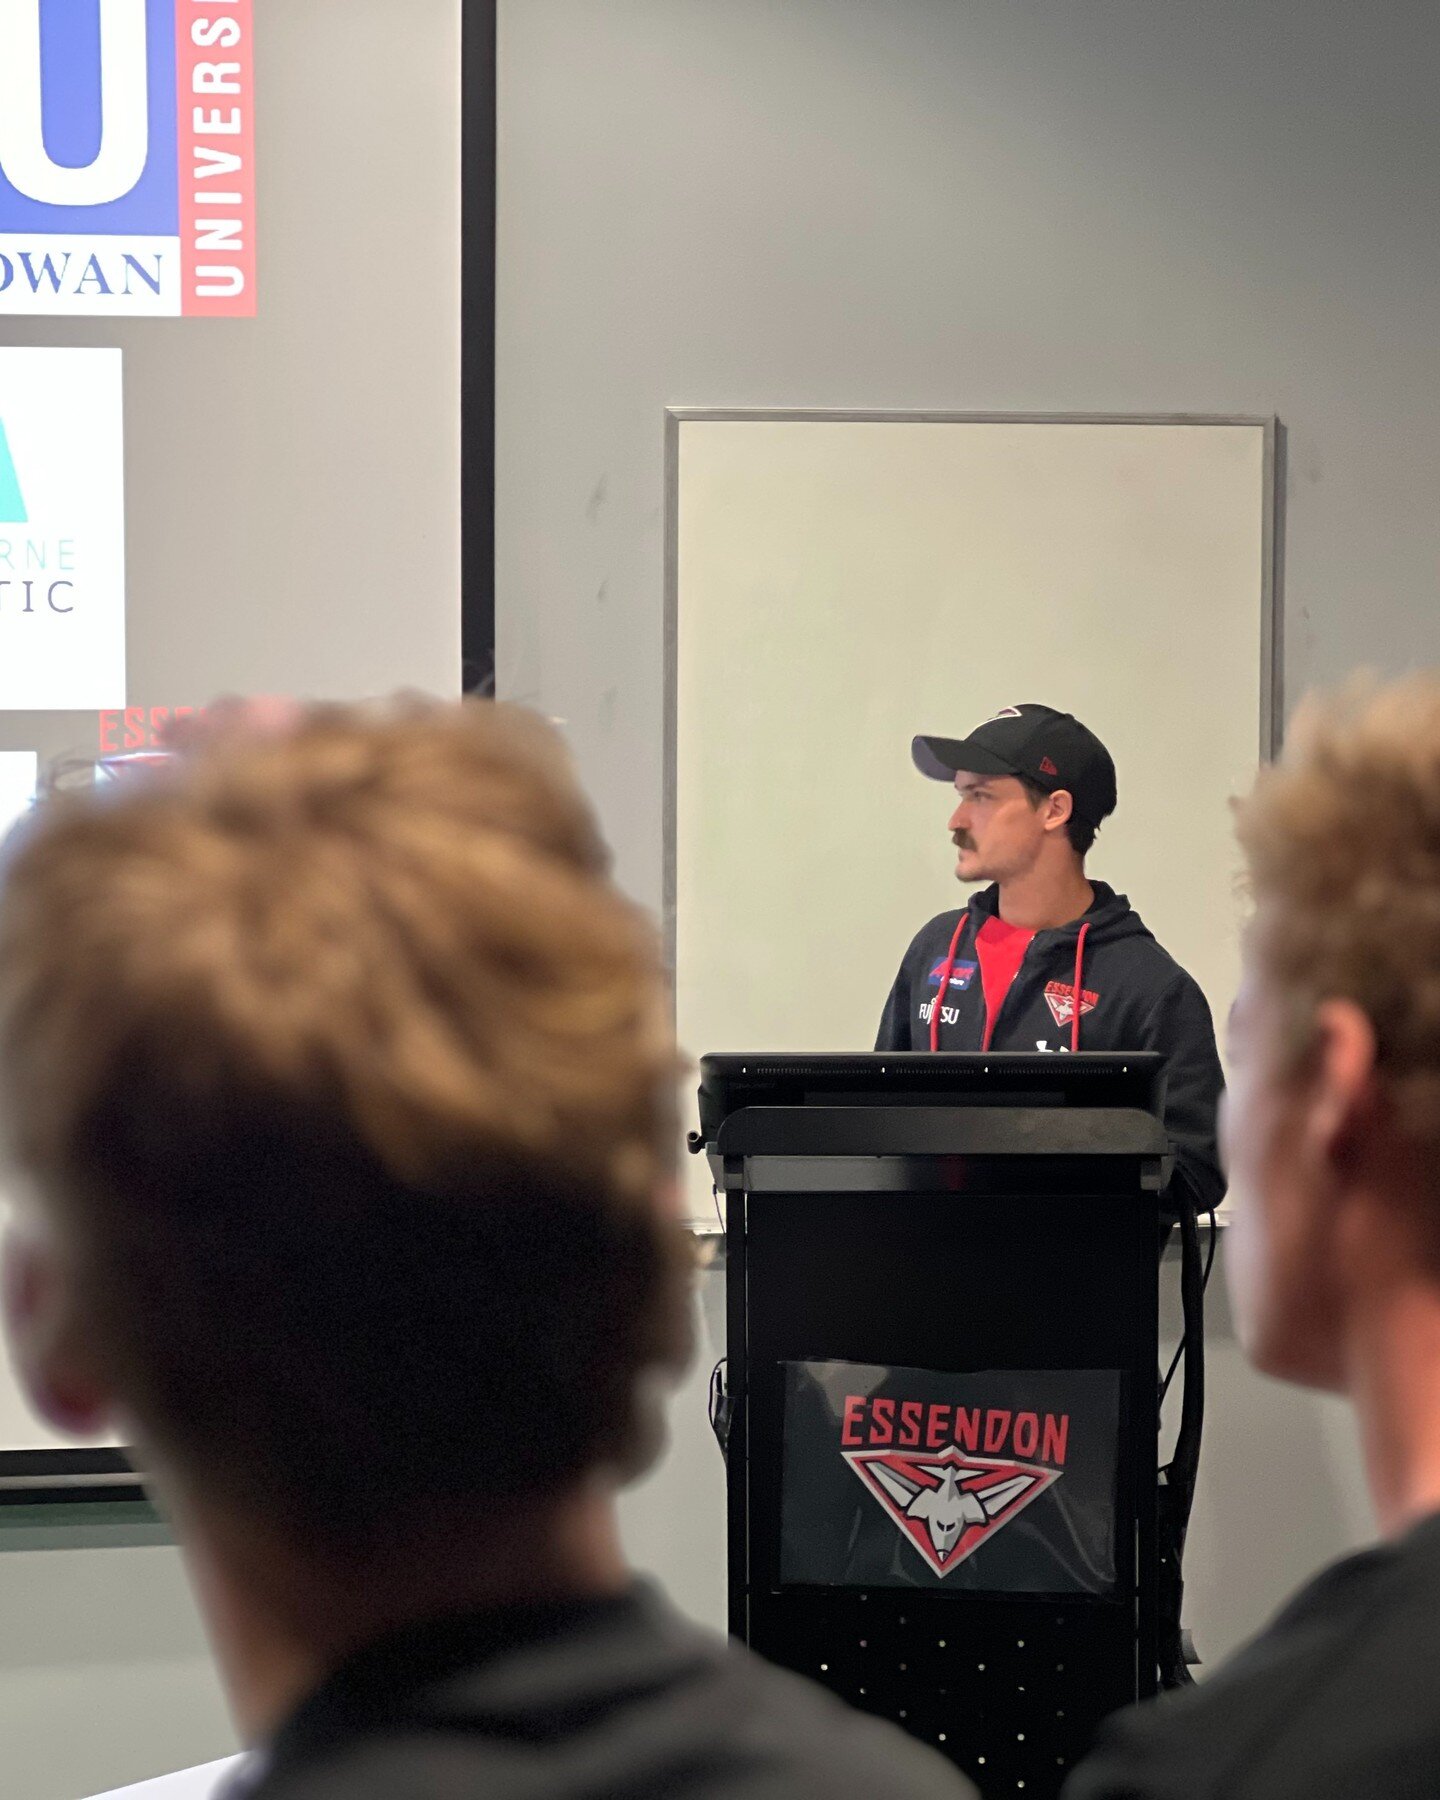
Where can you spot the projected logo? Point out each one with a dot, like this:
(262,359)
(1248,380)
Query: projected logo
(62,531)
(127,157)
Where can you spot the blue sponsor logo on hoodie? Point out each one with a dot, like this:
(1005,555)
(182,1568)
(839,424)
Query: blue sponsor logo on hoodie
(960,976)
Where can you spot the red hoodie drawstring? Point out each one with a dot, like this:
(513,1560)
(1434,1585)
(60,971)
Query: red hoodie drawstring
(1079,976)
(946,971)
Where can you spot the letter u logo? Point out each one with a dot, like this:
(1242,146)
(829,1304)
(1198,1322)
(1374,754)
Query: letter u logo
(124,128)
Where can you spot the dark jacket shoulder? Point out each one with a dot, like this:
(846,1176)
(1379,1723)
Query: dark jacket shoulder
(1335,1699)
(619,1701)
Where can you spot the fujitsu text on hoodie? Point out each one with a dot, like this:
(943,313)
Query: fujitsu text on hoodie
(1133,996)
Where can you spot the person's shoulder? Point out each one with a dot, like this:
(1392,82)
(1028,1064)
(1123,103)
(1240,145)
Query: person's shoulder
(1177,1747)
(790,1737)
(1325,1733)
(632,1701)
(1335,1698)
(1136,950)
(686,1714)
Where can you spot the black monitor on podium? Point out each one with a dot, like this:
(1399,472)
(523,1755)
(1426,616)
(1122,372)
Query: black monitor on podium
(942,1329)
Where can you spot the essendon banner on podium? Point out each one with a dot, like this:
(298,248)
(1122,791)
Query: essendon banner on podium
(1001,1481)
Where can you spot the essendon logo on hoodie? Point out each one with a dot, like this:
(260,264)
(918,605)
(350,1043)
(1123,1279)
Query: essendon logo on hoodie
(1060,998)
(947,1498)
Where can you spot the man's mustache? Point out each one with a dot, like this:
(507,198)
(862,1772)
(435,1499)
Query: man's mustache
(962,840)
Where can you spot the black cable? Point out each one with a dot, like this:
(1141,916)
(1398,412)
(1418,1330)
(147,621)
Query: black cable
(716,1388)
(1204,1289)
(721,1406)
(1178,1478)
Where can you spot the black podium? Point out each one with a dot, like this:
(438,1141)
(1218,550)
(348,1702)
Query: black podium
(942,1371)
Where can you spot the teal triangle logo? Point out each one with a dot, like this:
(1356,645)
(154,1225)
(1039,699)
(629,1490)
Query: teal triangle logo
(12,501)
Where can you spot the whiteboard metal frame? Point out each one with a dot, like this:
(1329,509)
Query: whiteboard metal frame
(1271,721)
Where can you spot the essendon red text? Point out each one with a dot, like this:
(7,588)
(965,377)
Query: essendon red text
(932,1425)
(140,727)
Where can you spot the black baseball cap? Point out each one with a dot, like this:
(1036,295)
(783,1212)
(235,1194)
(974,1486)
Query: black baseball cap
(1052,749)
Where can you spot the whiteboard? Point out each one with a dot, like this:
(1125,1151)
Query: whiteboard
(839,582)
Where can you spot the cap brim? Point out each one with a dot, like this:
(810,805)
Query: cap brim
(943,758)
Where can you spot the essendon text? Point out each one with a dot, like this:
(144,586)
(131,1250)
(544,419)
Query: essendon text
(873,1424)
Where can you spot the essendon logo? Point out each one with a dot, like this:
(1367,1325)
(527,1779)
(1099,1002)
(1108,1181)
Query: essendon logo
(949,1500)
(906,1477)
(948,1505)
(1060,998)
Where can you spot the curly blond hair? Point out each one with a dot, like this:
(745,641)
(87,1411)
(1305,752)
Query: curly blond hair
(1342,841)
(346,1068)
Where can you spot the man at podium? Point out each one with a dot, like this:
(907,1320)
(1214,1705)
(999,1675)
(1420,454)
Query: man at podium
(1045,958)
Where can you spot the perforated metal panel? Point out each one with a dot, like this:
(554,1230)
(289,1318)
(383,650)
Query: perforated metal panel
(1011,1692)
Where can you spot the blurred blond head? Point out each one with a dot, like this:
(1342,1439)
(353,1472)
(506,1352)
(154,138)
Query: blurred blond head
(341,1071)
(1334,1112)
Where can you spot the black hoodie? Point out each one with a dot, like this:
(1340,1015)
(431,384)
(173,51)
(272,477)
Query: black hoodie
(1135,997)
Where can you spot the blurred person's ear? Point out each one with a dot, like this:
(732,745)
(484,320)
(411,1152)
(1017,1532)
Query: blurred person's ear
(1344,1096)
(48,1343)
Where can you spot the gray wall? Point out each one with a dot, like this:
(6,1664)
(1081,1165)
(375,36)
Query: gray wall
(104,1673)
(1105,205)
(971,204)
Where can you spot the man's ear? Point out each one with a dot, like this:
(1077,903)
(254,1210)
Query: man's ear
(1344,1079)
(48,1344)
(1058,808)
